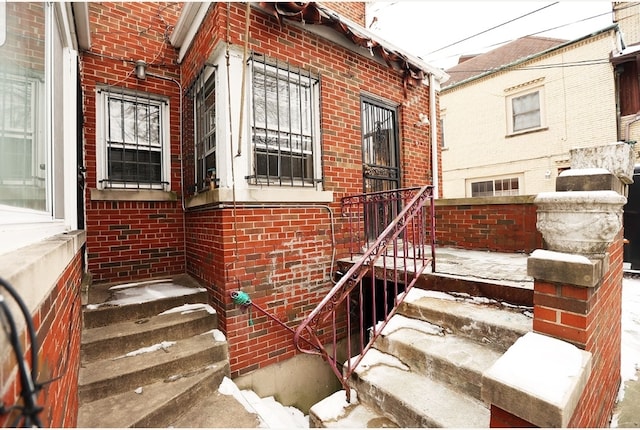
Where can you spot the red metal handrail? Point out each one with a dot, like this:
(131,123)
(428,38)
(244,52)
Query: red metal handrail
(396,258)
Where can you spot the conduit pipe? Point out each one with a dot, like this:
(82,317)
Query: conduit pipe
(434,135)
(298,206)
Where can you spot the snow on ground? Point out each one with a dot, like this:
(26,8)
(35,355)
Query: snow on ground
(134,293)
(190,307)
(271,413)
(630,331)
(158,346)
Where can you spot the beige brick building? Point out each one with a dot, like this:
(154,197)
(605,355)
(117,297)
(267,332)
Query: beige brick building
(512,115)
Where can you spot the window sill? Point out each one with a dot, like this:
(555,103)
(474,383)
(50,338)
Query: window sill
(260,195)
(520,133)
(133,195)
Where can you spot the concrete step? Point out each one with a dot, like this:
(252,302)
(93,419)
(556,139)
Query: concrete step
(429,351)
(411,399)
(131,302)
(122,337)
(158,404)
(105,377)
(491,324)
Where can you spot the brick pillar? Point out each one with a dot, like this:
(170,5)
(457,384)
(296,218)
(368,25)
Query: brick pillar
(577,293)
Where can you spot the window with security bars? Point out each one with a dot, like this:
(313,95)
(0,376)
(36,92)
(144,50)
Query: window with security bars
(205,133)
(285,109)
(496,187)
(134,140)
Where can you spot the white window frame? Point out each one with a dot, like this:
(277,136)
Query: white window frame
(56,96)
(511,98)
(102,146)
(312,82)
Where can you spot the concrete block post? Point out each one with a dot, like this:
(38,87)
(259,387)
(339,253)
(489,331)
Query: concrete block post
(577,300)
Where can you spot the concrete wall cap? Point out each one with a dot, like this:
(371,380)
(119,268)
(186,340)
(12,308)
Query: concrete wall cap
(580,197)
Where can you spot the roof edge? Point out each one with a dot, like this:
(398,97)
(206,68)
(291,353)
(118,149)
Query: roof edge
(531,57)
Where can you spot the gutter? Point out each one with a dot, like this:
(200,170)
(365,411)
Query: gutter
(187,27)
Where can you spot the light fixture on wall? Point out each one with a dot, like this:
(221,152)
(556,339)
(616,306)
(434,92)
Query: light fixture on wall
(547,174)
(141,69)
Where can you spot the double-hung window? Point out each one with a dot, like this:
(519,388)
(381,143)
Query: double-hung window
(205,133)
(285,136)
(133,143)
(525,111)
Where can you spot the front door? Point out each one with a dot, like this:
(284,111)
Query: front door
(380,164)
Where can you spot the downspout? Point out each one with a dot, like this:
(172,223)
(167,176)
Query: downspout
(434,136)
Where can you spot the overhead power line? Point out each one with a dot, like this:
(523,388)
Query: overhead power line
(492,28)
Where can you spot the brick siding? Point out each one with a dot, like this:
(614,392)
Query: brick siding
(481,225)
(129,240)
(283,254)
(58,325)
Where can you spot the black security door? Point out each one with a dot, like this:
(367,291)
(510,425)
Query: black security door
(380,164)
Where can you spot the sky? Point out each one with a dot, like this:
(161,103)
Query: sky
(431,29)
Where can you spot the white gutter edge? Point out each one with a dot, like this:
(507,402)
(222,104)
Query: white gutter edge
(81,24)
(187,27)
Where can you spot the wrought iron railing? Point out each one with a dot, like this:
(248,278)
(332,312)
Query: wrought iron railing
(393,242)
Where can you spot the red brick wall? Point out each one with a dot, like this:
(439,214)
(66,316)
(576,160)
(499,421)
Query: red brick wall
(353,10)
(132,240)
(603,327)
(282,261)
(25,31)
(283,255)
(58,326)
(509,227)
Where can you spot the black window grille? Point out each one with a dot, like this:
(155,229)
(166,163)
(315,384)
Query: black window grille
(285,108)
(134,137)
(205,133)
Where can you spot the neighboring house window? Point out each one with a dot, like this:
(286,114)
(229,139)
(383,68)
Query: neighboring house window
(133,147)
(205,115)
(525,111)
(285,135)
(495,187)
(23,174)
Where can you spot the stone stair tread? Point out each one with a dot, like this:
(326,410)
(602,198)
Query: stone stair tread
(449,358)
(139,301)
(120,337)
(415,400)
(149,407)
(497,326)
(120,374)
(171,351)
(216,411)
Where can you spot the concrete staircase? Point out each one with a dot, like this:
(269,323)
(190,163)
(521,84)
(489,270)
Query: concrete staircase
(151,357)
(426,368)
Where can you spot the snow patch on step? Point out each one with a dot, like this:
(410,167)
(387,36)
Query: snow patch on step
(335,406)
(126,294)
(416,294)
(189,308)
(164,345)
(373,357)
(398,322)
(271,413)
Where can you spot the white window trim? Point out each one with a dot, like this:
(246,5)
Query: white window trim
(101,140)
(509,110)
(20,227)
(233,187)
(472,181)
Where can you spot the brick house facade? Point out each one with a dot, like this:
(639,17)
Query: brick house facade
(274,238)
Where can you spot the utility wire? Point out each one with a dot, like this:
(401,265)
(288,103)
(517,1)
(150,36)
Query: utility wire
(492,28)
